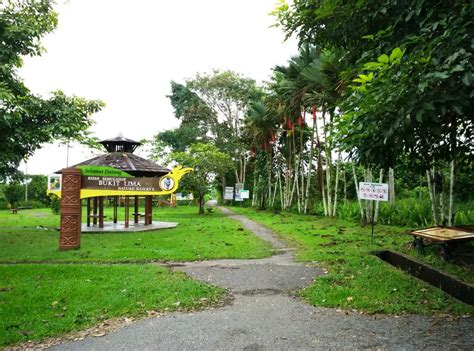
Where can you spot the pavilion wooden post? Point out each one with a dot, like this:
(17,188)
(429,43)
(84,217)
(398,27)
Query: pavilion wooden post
(88,211)
(127,211)
(115,208)
(148,209)
(101,212)
(135,208)
(94,211)
(150,199)
(70,230)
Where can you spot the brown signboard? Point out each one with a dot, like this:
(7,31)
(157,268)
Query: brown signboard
(121,184)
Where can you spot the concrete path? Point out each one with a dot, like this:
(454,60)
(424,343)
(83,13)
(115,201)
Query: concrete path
(265,315)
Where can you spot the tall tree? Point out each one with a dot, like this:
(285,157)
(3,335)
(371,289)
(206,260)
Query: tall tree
(207,163)
(229,95)
(28,120)
(412,92)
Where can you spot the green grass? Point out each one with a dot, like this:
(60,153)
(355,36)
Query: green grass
(357,279)
(38,301)
(197,237)
(43,300)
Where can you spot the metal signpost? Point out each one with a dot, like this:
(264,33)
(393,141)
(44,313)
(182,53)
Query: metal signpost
(374,192)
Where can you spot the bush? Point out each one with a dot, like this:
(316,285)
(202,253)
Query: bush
(3,204)
(407,212)
(13,193)
(55,204)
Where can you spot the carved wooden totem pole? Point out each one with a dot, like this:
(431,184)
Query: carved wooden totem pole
(70,234)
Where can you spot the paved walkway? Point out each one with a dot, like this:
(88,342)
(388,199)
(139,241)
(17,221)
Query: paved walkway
(265,315)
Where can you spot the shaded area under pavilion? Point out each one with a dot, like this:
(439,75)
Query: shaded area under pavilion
(120,156)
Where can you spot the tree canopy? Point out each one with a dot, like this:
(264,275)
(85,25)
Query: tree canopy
(207,162)
(28,120)
(411,74)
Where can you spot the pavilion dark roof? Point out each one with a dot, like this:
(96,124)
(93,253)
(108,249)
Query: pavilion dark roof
(127,162)
(119,144)
(121,156)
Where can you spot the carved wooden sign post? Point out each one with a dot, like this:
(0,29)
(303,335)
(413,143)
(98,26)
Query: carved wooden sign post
(70,232)
(76,184)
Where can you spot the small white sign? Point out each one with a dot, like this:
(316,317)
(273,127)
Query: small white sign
(180,197)
(373,191)
(245,194)
(229,193)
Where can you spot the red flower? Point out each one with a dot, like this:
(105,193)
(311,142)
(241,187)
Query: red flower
(314,114)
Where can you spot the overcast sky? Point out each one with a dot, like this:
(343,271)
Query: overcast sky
(127,52)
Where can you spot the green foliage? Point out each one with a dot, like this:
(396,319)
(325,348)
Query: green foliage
(211,108)
(414,68)
(27,120)
(55,204)
(37,188)
(207,163)
(13,193)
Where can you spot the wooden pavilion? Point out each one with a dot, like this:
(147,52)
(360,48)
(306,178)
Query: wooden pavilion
(120,156)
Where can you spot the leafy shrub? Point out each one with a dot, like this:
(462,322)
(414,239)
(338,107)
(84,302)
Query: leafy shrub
(408,212)
(13,193)
(3,204)
(55,204)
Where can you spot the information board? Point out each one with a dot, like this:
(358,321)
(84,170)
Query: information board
(229,193)
(373,191)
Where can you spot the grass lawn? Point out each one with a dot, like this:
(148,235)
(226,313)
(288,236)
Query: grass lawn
(357,279)
(43,300)
(38,301)
(197,237)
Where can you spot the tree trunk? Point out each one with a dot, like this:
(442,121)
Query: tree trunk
(336,185)
(442,200)
(391,185)
(377,204)
(362,215)
(328,183)
(244,160)
(269,176)
(451,215)
(432,197)
(325,205)
(254,192)
(223,188)
(345,184)
(368,203)
(201,203)
(310,167)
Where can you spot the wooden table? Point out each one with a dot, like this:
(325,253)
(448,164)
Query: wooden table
(445,237)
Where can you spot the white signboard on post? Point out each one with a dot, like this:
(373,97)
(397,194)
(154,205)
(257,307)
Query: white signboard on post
(373,191)
(229,193)
(245,194)
(238,188)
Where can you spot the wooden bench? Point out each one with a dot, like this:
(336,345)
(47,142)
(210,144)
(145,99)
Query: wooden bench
(15,210)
